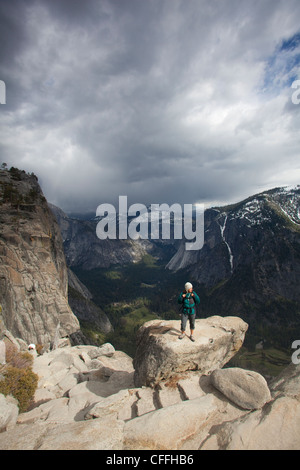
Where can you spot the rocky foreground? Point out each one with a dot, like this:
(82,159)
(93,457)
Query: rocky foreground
(174,396)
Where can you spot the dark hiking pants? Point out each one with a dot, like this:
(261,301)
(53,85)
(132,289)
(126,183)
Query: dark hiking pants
(184,318)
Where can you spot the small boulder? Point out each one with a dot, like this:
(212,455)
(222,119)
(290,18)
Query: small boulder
(245,388)
(65,358)
(106,349)
(119,404)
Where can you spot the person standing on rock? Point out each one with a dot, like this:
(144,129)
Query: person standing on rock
(188,298)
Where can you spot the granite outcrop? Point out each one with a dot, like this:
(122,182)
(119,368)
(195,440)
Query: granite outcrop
(87,399)
(160,354)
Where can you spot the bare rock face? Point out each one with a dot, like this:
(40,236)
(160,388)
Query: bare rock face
(273,427)
(160,353)
(33,272)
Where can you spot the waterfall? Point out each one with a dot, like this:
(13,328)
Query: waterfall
(222,228)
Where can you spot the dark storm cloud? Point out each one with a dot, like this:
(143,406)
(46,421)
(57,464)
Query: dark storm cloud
(159,100)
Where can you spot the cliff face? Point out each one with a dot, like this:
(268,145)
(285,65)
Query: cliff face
(89,314)
(33,272)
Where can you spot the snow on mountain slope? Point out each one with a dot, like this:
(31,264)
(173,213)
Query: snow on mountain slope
(237,234)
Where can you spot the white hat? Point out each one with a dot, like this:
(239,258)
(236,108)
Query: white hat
(188,286)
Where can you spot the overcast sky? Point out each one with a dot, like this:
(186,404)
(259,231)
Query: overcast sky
(160,100)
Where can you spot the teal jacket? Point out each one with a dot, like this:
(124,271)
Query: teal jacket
(189,302)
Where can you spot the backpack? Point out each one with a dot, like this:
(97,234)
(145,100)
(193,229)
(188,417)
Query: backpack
(191,303)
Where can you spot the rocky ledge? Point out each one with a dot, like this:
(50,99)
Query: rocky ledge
(160,354)
(88,399)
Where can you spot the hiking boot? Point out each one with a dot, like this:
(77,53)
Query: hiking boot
(192,338)
(181,336)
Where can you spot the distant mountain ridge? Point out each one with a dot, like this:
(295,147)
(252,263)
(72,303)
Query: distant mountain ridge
(83,248)
(231,233)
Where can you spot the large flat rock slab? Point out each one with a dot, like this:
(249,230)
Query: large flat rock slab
(161,354)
